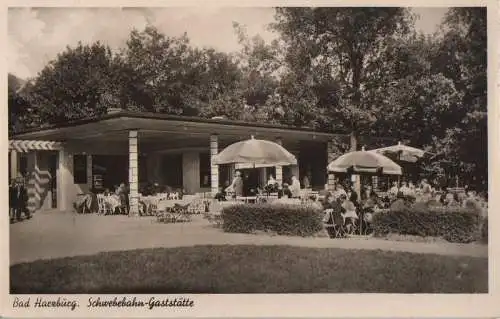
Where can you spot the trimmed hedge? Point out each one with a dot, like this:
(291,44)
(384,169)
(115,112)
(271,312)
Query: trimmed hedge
(283,219)
(454,224)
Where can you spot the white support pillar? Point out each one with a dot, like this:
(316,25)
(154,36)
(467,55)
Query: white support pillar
(375,183)
(331,155)
(90,182)
(14,164)
(133,173)
(214,169)
(64,177)
(32,182)
(279,169)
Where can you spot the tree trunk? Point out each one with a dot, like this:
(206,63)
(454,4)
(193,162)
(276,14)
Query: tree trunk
(354,147)
(353,141)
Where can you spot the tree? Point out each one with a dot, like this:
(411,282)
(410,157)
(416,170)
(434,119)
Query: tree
(415,102)
(346,44)
(19,111)
(462,57)
(167,75)
(74,85)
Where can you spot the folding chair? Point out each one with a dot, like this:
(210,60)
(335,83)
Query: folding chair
(214,215)
(101,205)
(350,225)
(153,207)
(333,224)
(366,219)
(181,213)
(197,206)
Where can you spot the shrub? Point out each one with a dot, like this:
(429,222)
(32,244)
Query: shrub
(283,219)
(454,224)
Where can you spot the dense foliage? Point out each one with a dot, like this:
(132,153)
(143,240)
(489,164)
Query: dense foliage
(364,71)
(457,225)
(283,219)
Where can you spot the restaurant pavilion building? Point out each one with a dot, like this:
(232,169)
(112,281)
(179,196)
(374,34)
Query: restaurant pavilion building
(62,161)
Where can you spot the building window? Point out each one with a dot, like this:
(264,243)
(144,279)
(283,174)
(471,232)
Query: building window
(172,170)
(80,169)
(205,175)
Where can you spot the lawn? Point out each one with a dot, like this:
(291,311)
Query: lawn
(251,269)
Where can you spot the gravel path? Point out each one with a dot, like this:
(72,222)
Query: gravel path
(58,234)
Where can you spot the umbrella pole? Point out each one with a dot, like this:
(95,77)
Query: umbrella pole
(399,176)
(361,224)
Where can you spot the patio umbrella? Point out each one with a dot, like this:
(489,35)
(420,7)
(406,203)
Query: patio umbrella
(255,152)
(364,162)
(402,152)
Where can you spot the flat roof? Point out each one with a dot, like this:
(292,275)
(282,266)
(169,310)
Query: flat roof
(117,123)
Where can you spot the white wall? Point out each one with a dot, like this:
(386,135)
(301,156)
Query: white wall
(191,171)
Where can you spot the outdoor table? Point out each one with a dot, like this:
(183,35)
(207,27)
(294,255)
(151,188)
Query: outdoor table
(163,205)
(147,200)
(113,201)
(250,199)
(167,213)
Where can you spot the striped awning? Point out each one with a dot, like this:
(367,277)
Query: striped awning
(30,145)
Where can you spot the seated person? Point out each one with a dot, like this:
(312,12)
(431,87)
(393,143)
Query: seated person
(324,192)
(271,188)
(271,181)
(394,190)
(371,201)
(284,192)
(385,202)
(399,203)
(453,200)
(333,214)
(349,207)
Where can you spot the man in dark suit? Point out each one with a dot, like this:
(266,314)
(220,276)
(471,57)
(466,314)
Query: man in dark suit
(11,197)
(19,199)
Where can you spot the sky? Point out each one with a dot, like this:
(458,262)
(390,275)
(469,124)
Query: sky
(37,35)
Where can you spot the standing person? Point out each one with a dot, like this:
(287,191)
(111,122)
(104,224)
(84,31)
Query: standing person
(236,186)
(426,190)
(20,199)
(306,182)
(295,187)
(247,185)
(12,193)
(122,193)
(353,196)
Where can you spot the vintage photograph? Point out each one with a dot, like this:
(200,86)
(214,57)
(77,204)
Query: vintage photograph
(228,150)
